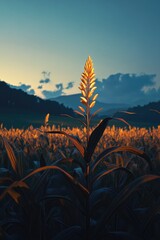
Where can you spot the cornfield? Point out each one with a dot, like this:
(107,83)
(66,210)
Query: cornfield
(80,183)
(31,143)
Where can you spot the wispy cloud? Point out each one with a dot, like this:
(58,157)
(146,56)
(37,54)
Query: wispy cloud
(70,85)
(45,81)
(40,87)
(56,93)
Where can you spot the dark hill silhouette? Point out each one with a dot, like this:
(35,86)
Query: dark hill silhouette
(149,113)
(19,100)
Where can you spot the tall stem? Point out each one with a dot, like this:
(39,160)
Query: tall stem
(88,100)
(88,166)
(87,115)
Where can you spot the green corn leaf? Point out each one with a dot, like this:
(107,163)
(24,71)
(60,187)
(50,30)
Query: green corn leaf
(105,173)
(101,156)
(65,173)
(121,149)
(120,199)
(100,197)
(94,138)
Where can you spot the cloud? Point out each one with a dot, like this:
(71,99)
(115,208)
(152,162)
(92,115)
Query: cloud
(23,87)
(70,85)
(128,88)
(40,87)
(56,93)
(45,81)
(59,86)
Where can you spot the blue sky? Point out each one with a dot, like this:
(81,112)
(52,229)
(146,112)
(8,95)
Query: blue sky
(56,36)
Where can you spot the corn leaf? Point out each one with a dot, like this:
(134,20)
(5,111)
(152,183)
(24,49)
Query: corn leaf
(122,120)
(155,110)
(10,190)
(105,173)
(127,112)
(10,154)
(98,196)
(76,119)
(121,149)
(94,138)
(120,199)
(65,173)
(95,113)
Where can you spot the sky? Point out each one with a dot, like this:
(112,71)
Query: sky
(44,44)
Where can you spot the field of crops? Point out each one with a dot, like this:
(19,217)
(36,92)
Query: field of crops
(32,143)
(39,204)
(81,183)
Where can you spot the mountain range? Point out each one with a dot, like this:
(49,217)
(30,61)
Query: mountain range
(73,101)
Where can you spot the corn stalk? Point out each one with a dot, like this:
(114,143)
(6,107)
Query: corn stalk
(87,87)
